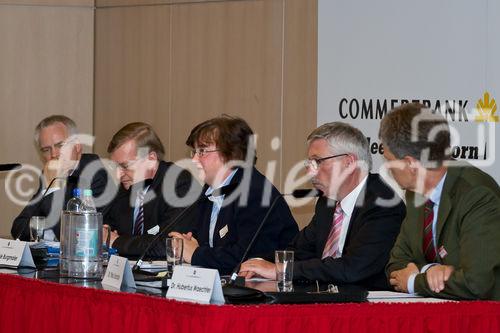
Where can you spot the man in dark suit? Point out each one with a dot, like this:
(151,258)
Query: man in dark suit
(227,222)
(65,168)
(449,242)
(356,221)
(152,192)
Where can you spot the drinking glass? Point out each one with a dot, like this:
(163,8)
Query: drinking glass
(284,270)
(174,253)
(37,228)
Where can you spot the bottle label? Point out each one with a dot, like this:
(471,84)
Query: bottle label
(86,243)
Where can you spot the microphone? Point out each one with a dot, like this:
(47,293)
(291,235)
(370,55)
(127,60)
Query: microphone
(300,193)
(225,190)
(236,292)
(70,179)
(307,193)
(10,166)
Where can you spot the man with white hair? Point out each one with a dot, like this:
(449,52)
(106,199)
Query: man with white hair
(356,221)
(64,164)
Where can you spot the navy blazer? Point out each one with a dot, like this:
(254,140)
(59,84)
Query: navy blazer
(372,232)
(20,228)
(237,224)
(158,211)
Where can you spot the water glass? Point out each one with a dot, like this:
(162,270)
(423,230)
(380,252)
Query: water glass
(284,270)
(174,253)
(37,228)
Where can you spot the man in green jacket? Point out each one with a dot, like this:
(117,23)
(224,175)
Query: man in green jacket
(449,244)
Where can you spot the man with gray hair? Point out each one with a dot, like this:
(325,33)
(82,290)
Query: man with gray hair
(356,221)
(64,163)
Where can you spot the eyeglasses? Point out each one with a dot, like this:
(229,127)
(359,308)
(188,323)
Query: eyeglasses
(201,152)
(314,163)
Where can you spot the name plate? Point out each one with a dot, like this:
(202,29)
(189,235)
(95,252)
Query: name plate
(15,253)
(201,285)
(118,273)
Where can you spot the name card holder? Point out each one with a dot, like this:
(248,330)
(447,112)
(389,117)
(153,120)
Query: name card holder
(200,285)
(118,273)
(15,253)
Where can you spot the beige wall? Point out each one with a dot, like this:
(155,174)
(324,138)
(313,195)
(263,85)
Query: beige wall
(46,67)
(172,63)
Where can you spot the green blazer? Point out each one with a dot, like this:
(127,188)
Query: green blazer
(468,236)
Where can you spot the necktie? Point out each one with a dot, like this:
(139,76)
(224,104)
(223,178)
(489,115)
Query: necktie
(428,243)
(139,220)
(332,243)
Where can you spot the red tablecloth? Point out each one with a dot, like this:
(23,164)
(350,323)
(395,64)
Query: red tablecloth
(28,305)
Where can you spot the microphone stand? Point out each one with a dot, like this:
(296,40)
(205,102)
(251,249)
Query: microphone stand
(39,203)
(225,190)
(236,292)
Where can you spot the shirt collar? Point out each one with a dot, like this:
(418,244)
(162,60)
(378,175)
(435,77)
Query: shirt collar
(226,181)
(349,201)
(435,196)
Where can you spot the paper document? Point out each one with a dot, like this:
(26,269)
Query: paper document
(390,294)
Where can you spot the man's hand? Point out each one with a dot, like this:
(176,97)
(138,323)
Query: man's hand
(113,235)
(399,279)
(57,169)
(437,275)
(258,267)
(189,242)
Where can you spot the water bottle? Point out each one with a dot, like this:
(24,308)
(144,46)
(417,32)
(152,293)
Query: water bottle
(88,205)
(85,239)
(74,205)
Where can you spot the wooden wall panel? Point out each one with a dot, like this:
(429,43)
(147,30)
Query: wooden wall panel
(299,89)
(227,58)
(132,70)
(46,67)
(172,63)
(63,3)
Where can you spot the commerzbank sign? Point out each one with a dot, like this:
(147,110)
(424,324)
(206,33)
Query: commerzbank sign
(454,110)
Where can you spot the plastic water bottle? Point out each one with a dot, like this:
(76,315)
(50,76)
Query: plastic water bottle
(85,250)
(74,205)
(88,205)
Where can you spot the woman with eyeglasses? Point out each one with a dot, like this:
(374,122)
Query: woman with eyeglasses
(238,197)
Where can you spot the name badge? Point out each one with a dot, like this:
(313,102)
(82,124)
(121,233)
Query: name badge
(223,231)
(154,230)
(15,253)
(200,285)
(442,252)
(118,273)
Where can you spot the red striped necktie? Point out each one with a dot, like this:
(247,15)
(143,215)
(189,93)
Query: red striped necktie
(428,243)
(332,243)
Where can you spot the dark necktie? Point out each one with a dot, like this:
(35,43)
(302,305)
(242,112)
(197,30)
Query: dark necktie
(428,243)
(139,221)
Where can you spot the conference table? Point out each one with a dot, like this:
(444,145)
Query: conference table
(32,301)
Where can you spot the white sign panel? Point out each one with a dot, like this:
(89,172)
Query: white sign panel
(196,284)
(15,253)
(118,273)
(374,56)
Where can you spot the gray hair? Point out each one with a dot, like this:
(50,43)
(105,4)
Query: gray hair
(51,120)
(344,139)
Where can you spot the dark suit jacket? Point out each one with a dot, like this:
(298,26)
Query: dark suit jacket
(89,164)
(158,210)
(468,229)
(241,222)
(370,237)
